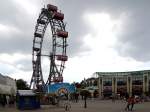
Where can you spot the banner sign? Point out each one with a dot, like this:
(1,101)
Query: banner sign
(59,88)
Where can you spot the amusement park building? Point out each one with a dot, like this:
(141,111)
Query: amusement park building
(7,85)
(133,82)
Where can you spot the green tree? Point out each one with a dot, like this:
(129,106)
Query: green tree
(22,85)
(95,82)
(83,84)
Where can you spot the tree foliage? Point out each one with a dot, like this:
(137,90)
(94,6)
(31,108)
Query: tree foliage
(22,85)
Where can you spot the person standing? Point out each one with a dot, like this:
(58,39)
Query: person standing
(7,99)
(76,97)
(4,101)
(132,102)
(128,103)
(113,97)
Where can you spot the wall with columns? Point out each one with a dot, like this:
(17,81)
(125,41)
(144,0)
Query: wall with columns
(129,77)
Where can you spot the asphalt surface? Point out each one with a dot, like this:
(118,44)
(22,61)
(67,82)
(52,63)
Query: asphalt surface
(92,106)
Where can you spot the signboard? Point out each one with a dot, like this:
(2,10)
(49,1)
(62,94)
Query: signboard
(59,88)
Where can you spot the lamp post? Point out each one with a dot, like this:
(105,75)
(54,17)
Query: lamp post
(85,97)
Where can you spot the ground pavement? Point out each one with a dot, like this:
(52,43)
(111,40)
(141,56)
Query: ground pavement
(92,106)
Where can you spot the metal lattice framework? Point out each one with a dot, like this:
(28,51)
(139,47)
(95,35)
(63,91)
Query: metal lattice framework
(57,53)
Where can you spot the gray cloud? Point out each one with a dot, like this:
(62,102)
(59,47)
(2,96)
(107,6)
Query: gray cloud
(132,41)
(24,65)
(20,20)
(19,43)
(11,16)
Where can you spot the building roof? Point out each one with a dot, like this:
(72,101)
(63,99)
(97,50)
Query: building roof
(25,93)
(123,73)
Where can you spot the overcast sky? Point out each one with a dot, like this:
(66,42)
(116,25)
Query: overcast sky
(104,36)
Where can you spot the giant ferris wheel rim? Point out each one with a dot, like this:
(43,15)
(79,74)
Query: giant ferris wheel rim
(55,20)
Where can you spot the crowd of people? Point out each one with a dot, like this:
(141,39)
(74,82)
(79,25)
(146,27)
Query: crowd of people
(8,100)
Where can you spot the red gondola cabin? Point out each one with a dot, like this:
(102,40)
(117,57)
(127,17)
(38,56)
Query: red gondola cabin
(63,34)
(62,57)
(58,16)
(52,8)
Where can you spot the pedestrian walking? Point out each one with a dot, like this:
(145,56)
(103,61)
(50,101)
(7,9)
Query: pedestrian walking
(113,97)
(132,102)
(76,97)
(128,103)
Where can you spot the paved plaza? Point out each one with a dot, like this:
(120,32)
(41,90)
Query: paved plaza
(92,106)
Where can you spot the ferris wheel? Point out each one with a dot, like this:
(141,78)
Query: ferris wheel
(49,16)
